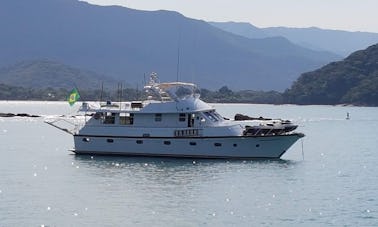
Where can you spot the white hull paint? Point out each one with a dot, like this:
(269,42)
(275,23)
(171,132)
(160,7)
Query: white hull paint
(174,122)
(195,147)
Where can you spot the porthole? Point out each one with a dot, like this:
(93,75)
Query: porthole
(235,145)
(192,143)
(217,144)
(167,142)
(257,145)
(85,139)
(139,141)
(110,140)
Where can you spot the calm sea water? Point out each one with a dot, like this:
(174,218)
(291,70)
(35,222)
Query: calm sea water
(42,183)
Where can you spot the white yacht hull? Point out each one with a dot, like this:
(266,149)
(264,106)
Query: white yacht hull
(196,147)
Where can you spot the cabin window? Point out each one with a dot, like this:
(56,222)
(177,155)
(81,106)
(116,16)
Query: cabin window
(139,141)
(137,105)
(182,117)
(97,115)
(192,143)
(109,118)
(191,120)
(217,144)
(210,116)
(110,140)
(85,139)
(167,142)
(126,118)
(217,115)
(235,145)
(131,118)
(257,145)
(158,117)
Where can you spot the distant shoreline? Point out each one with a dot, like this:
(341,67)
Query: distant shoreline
(216,103)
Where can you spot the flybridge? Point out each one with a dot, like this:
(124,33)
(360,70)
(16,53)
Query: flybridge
(170,91)
(161,97)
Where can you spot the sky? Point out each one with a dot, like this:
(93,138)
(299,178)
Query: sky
(349,15)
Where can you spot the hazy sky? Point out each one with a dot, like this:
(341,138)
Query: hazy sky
(351,15)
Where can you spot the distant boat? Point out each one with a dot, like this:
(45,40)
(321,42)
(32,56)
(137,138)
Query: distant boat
(174,122)
(347,116)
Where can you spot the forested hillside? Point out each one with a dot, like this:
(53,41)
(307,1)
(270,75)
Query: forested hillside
(352,81)
(43,73)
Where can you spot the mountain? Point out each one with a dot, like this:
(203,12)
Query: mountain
(242,28)
(342,43)
(125,44)
(353,81)
(44,74)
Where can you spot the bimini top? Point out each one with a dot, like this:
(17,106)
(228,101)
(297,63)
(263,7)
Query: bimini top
(172,91)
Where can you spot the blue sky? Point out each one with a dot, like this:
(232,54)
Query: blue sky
(350,15)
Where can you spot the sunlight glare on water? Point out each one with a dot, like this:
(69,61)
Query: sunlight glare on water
(43,184)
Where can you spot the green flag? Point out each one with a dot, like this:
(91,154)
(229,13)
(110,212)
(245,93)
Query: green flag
(73,97)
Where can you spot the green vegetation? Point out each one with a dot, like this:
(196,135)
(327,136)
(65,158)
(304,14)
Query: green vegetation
(351,81)
(45,73)
(8,92)
(224,95)
(50,94)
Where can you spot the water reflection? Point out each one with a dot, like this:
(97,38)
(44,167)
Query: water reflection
(156,169)
(103,162)
(168,182)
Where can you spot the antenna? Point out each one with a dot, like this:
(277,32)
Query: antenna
(102,90)
(178,64)
(178,55)
(120,94)
(137,91)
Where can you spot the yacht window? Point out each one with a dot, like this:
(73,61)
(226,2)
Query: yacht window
(131,118)
(192,143)
(97,115)
(109,118)
(182,117)
(110,140)
(136,105)
(167,142)
(190,120)
(217,144)
(217,115)
(139,141)
(158,117)
(210,116)
(126,119)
